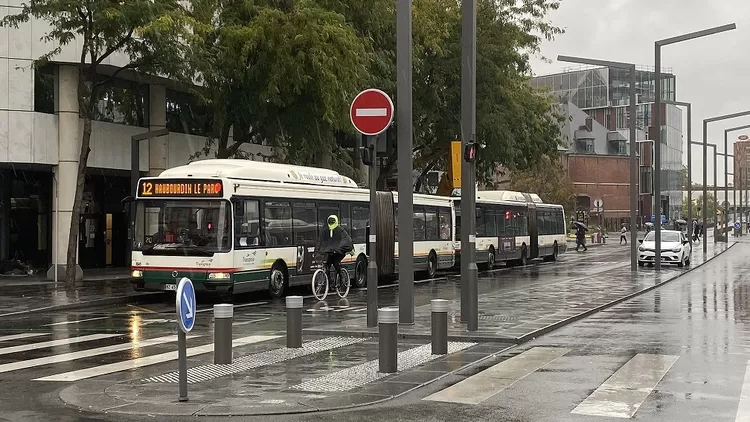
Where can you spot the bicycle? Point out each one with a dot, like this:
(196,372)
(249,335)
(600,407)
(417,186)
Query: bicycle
(320,285)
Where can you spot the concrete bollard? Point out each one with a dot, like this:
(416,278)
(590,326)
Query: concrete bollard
(294,322)
(388,340)
(439,309)
(223,316)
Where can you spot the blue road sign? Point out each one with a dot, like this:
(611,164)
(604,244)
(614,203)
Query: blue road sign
(185,303)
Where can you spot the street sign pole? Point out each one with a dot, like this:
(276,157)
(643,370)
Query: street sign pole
(371,114)
(186,306)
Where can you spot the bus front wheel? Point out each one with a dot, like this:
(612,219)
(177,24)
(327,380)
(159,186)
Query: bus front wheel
(277,281)
(360,272)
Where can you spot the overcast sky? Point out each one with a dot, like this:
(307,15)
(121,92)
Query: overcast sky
(713,73)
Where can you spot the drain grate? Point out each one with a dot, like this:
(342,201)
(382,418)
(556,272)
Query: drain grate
(493,318)
(209,372)
(357,376)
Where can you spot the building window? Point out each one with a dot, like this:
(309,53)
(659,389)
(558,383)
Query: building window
(122,102)
(186,114)
(589,146)
(44,89)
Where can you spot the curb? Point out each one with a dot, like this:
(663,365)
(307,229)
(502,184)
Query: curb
(147,297)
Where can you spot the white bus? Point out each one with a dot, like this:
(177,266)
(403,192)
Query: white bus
(514,227)
(235,226)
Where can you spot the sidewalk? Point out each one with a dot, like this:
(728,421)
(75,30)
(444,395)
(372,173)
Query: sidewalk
(520,315)
(21,295)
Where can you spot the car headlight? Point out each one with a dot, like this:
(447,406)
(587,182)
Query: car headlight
(676,249)
(642,249)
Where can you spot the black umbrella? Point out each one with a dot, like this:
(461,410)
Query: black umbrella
(680,221)
(581,225)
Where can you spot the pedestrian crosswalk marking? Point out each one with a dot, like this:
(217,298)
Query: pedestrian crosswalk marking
(66,357)
(53,343)
(22,336)
(145,361)
(624,392)
(743,408)
(73,322)
(491,381)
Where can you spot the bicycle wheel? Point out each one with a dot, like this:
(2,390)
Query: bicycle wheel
(342,287)
(320,284)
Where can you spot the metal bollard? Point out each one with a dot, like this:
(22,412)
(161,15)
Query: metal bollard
(388,340)
(294,322)
(223,316)
(439,326)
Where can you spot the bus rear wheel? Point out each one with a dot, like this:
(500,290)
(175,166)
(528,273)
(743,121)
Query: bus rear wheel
(277,281)
(360,272)
(431,265)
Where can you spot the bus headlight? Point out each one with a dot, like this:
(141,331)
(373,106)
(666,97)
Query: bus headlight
(137,274)
(219,276)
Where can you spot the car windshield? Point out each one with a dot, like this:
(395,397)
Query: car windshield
(182,227)
(665,237)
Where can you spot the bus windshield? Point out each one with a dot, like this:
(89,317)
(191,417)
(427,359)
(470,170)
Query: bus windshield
(182,227)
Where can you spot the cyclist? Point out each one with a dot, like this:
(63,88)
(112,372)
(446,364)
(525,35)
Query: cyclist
(334,243)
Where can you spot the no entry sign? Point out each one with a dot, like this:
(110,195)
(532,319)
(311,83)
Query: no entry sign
(371,112)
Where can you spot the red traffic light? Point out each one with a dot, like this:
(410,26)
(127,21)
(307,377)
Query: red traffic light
(470,152)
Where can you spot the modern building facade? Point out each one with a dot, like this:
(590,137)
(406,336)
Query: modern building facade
(40,135)
(596,104)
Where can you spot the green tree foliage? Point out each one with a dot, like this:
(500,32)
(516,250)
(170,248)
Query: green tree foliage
(275,72)
(548,179)
(146,32)
(305,113)
(698,207)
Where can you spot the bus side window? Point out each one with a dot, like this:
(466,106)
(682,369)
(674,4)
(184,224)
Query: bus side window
(247,224)
(360,216)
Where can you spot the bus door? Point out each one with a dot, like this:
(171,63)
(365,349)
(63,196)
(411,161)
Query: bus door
(533,232)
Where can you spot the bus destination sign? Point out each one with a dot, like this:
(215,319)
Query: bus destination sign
(180,188)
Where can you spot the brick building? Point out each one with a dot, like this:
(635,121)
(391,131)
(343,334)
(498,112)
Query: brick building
(605,177)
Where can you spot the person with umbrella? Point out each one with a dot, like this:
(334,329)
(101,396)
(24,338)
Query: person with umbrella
(581,230)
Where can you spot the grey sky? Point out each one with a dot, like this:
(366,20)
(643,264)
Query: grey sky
(712,73)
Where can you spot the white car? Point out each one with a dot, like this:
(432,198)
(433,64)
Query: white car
(675,248)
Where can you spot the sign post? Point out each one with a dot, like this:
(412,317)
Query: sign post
(371,113)
(186,307)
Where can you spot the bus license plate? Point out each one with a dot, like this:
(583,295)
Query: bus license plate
(170,287)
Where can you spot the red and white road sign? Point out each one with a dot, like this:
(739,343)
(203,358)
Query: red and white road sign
(371,112)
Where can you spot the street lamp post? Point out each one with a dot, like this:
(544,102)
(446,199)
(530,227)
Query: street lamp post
(704,199)
(705,163)
(726,174)
(633,168)
(657,120)
(689,158)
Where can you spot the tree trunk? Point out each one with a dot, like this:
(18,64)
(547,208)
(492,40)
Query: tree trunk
(83,157)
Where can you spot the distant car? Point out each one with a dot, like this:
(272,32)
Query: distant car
(675,249)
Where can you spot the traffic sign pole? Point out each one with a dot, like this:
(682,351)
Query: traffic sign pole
(371,113)
(186,307)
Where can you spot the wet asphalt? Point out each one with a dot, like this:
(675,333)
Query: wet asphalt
(684,319)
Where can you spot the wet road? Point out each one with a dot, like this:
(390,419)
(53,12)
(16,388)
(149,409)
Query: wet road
(46,345)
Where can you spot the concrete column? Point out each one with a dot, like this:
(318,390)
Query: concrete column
(157,117)
(66,172)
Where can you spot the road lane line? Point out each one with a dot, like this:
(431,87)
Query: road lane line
(145,361)
(67,357)
(53,343)
(493,380)
(142,309)
(252,321)
(622,394)
(743,408)
(73,322)
(22,336)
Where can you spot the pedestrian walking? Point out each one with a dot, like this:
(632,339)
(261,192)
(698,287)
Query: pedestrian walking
(623,237)
(581,230)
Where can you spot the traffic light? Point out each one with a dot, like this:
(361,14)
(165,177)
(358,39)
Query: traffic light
(368,155)
(470,152)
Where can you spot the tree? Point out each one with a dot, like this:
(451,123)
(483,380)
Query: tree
(548,179)
(685,176)
(697,204)
(275,72)
(146,32)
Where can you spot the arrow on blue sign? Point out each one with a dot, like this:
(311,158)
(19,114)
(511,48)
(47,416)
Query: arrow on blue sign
(185,305)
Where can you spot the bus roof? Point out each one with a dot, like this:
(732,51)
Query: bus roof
(260,171)
(508,195)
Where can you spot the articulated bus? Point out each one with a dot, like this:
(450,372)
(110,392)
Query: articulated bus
(513,227)
(236,226)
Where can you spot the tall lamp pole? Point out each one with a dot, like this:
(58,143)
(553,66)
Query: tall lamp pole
(633,164)
(689,160)
(657,121)
(726,175)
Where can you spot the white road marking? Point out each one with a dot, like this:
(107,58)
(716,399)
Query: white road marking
(73,322)
(743,408)
(493,380)
(66,357)
(145,361)
(235,306)
(22,336)
(622,394)
(371,112)
(252,321)
(53,343)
